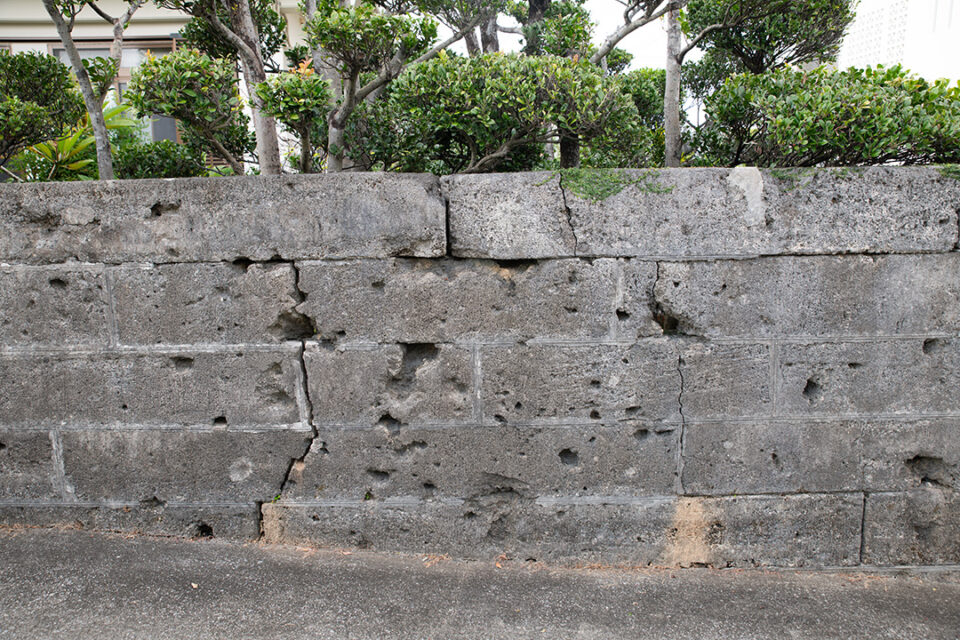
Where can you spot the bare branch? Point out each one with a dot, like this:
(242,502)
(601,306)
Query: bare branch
(653,12)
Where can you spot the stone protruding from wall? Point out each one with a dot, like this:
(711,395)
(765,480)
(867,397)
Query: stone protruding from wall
(682,368)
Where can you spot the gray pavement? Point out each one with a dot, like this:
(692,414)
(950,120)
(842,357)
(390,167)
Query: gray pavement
(75,584)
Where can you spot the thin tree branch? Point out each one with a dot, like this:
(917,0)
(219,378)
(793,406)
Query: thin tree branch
(617,36)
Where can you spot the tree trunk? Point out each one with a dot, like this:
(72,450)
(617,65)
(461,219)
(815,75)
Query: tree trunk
(473,47)
(306,152)
(671,97)
(535,14)
(489,35)
(335,142)
(90,100)
(265,127)
(569,151)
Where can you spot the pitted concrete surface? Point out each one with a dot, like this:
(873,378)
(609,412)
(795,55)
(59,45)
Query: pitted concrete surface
(74,584)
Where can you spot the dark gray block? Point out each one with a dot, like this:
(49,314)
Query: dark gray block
(26,466)
(544,384)
(771,457)
(811,530)
(241,388)
(726,380)
(883,377)
(456,300)
(814,295)
(627,459)
(239,522)
(177,466)
(198,303)
(256,217)
(406,383)
(53,306)
(916,527)
(900,455)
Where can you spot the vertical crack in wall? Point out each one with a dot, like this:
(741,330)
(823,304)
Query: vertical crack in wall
(683,422)
(569,213)
(306,410)
(448,237)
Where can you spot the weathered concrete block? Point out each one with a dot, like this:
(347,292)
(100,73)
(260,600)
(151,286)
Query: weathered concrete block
(498,524)
(817,530)
(628,459)
(547,384)
(771,457)
(243,388)
(53,306)
(178,466)
(906,377)
(232,522)
(455,300)
(406,383)
(636,301)
(875,209)
(901,455)
(508,216)
(26,466)
(198,303)
(725,380)
(690,213)
(914,527)
(255,217)
(814,295)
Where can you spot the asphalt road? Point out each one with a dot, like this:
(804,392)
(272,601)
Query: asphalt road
(74,584)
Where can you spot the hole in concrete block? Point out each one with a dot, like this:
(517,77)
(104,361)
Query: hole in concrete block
(153,503)
(220,421)
(641,434)
(518,266)
(378,284)
(499,418)
(389,422)
(854,365)
(571,309)
(242,263)
(632,411)
(623,315)
(182,363)
(595,415)
(378,475)
(2,446)
(931,470)
(202,530)
(292,325)
(58,283)
(933,345)
(160,208)
(429,488)
(812,390)
(414,357)
(569,457)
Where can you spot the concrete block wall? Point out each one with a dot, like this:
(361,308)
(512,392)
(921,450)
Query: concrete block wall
(706,367)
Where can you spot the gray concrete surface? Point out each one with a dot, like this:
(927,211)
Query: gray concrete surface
(72,584)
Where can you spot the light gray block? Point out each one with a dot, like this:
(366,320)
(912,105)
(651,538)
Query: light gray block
(726,380)
(627,459)
(691,213)
(814,295)
(255,217)
(901,455)
(455,300)
(405,383)
(177,466)
(26,466)
(883,377)
(204,303)
(53,306)
(546,384)
(771,457)
(918,527)
(508,216)
(230,522)
(242,388)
